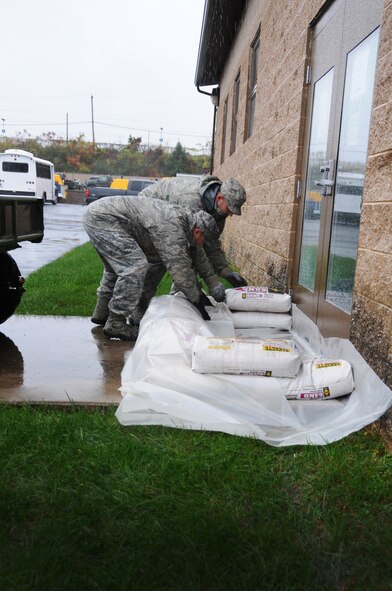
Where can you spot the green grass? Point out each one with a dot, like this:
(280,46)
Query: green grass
(87,504)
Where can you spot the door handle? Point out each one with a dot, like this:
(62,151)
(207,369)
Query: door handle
(327,182)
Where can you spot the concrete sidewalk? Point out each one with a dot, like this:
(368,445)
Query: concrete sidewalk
(55,359)
(60,361)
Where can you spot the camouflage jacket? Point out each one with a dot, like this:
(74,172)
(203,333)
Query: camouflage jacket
(188,194)
(161,230)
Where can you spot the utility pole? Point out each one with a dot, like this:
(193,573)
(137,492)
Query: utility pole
(92,118)
(66,133)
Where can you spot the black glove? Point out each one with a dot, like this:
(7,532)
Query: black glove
(204,300)
(236,279)
(218,292)
(202,310)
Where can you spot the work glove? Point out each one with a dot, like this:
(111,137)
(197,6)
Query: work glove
(218,292)
(200,307)
(234,278)
(215,288)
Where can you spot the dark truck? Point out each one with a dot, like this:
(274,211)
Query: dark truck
(118,187)
(21,219)
(26,183)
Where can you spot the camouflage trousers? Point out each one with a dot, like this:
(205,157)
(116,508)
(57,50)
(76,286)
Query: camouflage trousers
(129,279)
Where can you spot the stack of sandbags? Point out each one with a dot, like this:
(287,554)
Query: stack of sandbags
(259,307)
(315,379)
(245,356)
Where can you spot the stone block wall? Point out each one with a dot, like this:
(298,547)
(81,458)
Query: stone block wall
(371,326)
(261,243)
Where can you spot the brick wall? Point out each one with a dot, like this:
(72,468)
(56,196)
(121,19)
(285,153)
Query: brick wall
(261,242)
(371,327)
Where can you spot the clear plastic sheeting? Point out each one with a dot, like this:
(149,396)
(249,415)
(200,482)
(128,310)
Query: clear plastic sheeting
(160,388)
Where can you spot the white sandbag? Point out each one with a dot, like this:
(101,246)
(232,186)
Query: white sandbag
(241,356)
(281,321)
(322,379)
(257,299)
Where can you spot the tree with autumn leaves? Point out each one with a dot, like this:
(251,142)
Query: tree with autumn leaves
(133,159)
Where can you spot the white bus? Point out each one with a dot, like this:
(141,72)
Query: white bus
(24,175)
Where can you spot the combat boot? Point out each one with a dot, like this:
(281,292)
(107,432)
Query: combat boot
(116,327)
(101,311)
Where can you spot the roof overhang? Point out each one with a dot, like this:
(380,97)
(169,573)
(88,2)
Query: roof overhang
(221,21)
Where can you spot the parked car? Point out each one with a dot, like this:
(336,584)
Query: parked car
(99,181)
(118,187)
(73,185)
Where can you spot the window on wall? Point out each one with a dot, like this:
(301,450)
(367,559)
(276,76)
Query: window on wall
(224,126)
(252,87)
(234,121)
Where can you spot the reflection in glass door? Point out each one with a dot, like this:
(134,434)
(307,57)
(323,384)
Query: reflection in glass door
(317,155)
(354,133)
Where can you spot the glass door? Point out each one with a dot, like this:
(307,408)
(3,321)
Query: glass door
(344,56)
(350,172)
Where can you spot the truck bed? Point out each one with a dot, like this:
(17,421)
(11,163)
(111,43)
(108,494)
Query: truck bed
(135,186)
(21,219)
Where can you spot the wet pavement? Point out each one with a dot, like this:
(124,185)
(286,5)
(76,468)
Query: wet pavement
(60,361)
(53,359)
(63,232)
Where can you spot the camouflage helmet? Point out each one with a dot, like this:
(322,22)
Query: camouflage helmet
(235,195)
(206,223)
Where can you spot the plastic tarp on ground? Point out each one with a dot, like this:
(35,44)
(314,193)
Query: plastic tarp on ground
(160,388)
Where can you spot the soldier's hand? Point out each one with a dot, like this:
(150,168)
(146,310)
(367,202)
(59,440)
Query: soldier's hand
(215,288)
(218,292)
(204,300)
(200,307)
(236,279)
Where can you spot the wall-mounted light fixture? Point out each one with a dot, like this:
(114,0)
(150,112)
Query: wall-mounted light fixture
(215,96)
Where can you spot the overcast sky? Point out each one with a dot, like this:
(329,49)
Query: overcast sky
(137,58)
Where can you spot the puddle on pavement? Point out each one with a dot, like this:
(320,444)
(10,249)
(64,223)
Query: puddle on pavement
(59,360)
(63,232)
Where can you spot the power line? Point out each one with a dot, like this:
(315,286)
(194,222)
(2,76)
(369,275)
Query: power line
(43,124)
(129,127)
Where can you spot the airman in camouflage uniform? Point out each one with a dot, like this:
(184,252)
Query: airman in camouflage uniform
(219,199)
(138,239)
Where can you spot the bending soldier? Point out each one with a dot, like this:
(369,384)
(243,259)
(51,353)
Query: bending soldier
(138,239)
(219,199)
